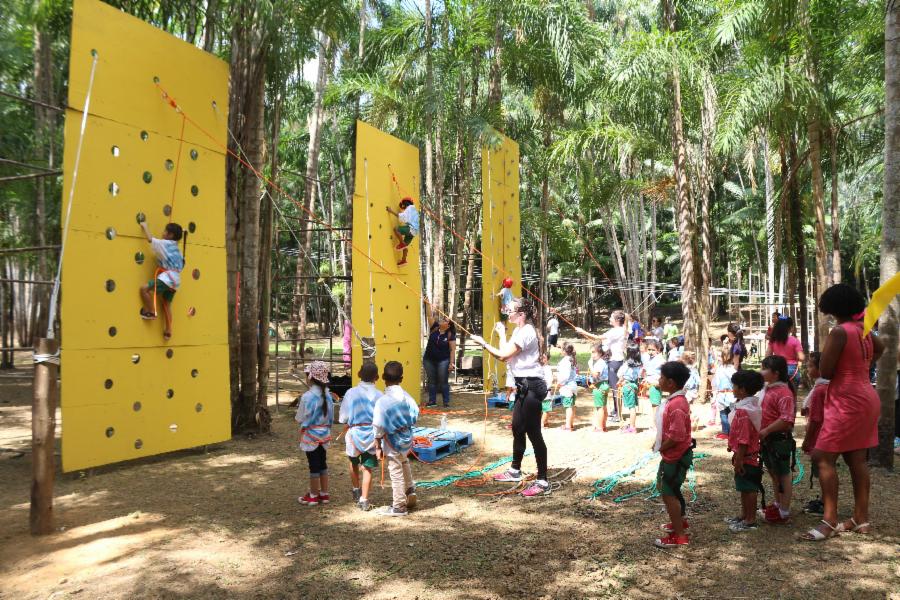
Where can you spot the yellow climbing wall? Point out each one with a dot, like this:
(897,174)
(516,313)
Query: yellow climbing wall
(392,292)
(500,243)
(126,393)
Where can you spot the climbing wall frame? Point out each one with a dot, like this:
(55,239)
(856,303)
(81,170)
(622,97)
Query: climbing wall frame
(126,393)
(500,243)
(380,287)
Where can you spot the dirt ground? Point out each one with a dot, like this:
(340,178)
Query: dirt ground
(225,523)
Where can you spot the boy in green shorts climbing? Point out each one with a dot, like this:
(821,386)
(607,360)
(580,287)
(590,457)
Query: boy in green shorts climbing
(675,446)
(408,227)
(652,364)
(167,277)
(598,368)
(357,408)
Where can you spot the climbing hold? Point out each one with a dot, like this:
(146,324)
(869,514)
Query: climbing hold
(141,217)
(194,154)
(147,177)
(170,353)
(110,432)
(113,189)
(138,444)
(136,406)
(110,233)
(139,258)
(145,136)
(112,332)
(108,384)
(194,190)
(169,164)
(167,210)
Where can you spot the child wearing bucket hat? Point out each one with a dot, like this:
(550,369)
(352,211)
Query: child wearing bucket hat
(315,414)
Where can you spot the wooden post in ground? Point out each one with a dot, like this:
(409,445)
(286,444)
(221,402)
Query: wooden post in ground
(43,437)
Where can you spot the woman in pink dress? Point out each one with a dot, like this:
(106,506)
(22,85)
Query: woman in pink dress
(782,342)
(852,408)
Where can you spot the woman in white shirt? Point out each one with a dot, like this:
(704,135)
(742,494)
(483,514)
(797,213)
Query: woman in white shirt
(613,340)
(522,355)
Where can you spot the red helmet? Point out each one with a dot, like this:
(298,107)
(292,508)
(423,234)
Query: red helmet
(507,283)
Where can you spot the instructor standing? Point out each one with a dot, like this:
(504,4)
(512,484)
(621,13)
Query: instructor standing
(522,356)
(552,331)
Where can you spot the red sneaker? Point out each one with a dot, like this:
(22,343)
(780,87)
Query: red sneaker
(672,541)
(721,436)
(308,500)
(668,526)
(324,498)
(775,518)
(401,263)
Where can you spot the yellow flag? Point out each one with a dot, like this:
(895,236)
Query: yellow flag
(880,300)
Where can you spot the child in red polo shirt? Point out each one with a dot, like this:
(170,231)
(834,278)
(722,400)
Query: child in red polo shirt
(675,446)
(777,445)
(745,419)
(814,410)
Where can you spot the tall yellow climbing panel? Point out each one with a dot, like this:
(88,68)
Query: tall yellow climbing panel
(127,393)
(387,305)
(500,243)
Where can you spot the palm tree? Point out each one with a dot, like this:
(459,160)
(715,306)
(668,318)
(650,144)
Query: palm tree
(890,245)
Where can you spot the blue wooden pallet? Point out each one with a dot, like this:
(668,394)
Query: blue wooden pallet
(500,401)
(443,443)
(581,380)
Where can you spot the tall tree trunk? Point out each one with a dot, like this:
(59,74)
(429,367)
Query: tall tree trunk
(301,287)
(890,243)
(704,308)
(265,259)
(247,103)
(771,252)
(209,27)
(428,117)
(687,226)
(495,76)
(43,137)
(789,273)
(612,242)
(545,237)
(799,240)
(835,216)
(814,130)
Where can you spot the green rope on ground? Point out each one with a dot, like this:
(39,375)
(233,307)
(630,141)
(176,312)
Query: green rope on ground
(605,485)
(653,492)
(800,473)
(451,479)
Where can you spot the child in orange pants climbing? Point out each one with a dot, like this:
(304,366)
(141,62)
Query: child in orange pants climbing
(167,277)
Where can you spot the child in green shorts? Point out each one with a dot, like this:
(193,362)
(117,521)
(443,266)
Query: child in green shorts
(652,364)
(547,403)
(675,446)
(630,374)
(745,421)
(167,277)
(566,373)
(598,368)
(357,408)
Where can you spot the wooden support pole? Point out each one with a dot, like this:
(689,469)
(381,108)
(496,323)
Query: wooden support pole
(43,438)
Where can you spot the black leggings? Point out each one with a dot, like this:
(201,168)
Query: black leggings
(526,421)
(316,460)
(614,384)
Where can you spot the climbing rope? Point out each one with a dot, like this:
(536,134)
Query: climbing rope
(800,473)
(605,485)
(54,295)
(453,479)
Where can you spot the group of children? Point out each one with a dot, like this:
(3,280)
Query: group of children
(379,428)
(637,376)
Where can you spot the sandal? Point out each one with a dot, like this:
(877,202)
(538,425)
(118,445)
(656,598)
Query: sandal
(856,528)
(814,535)
(147,316)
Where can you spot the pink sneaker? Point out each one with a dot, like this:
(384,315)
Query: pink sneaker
(508,476)
(536,489)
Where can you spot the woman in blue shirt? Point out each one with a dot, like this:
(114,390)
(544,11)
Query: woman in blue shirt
(438,359)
